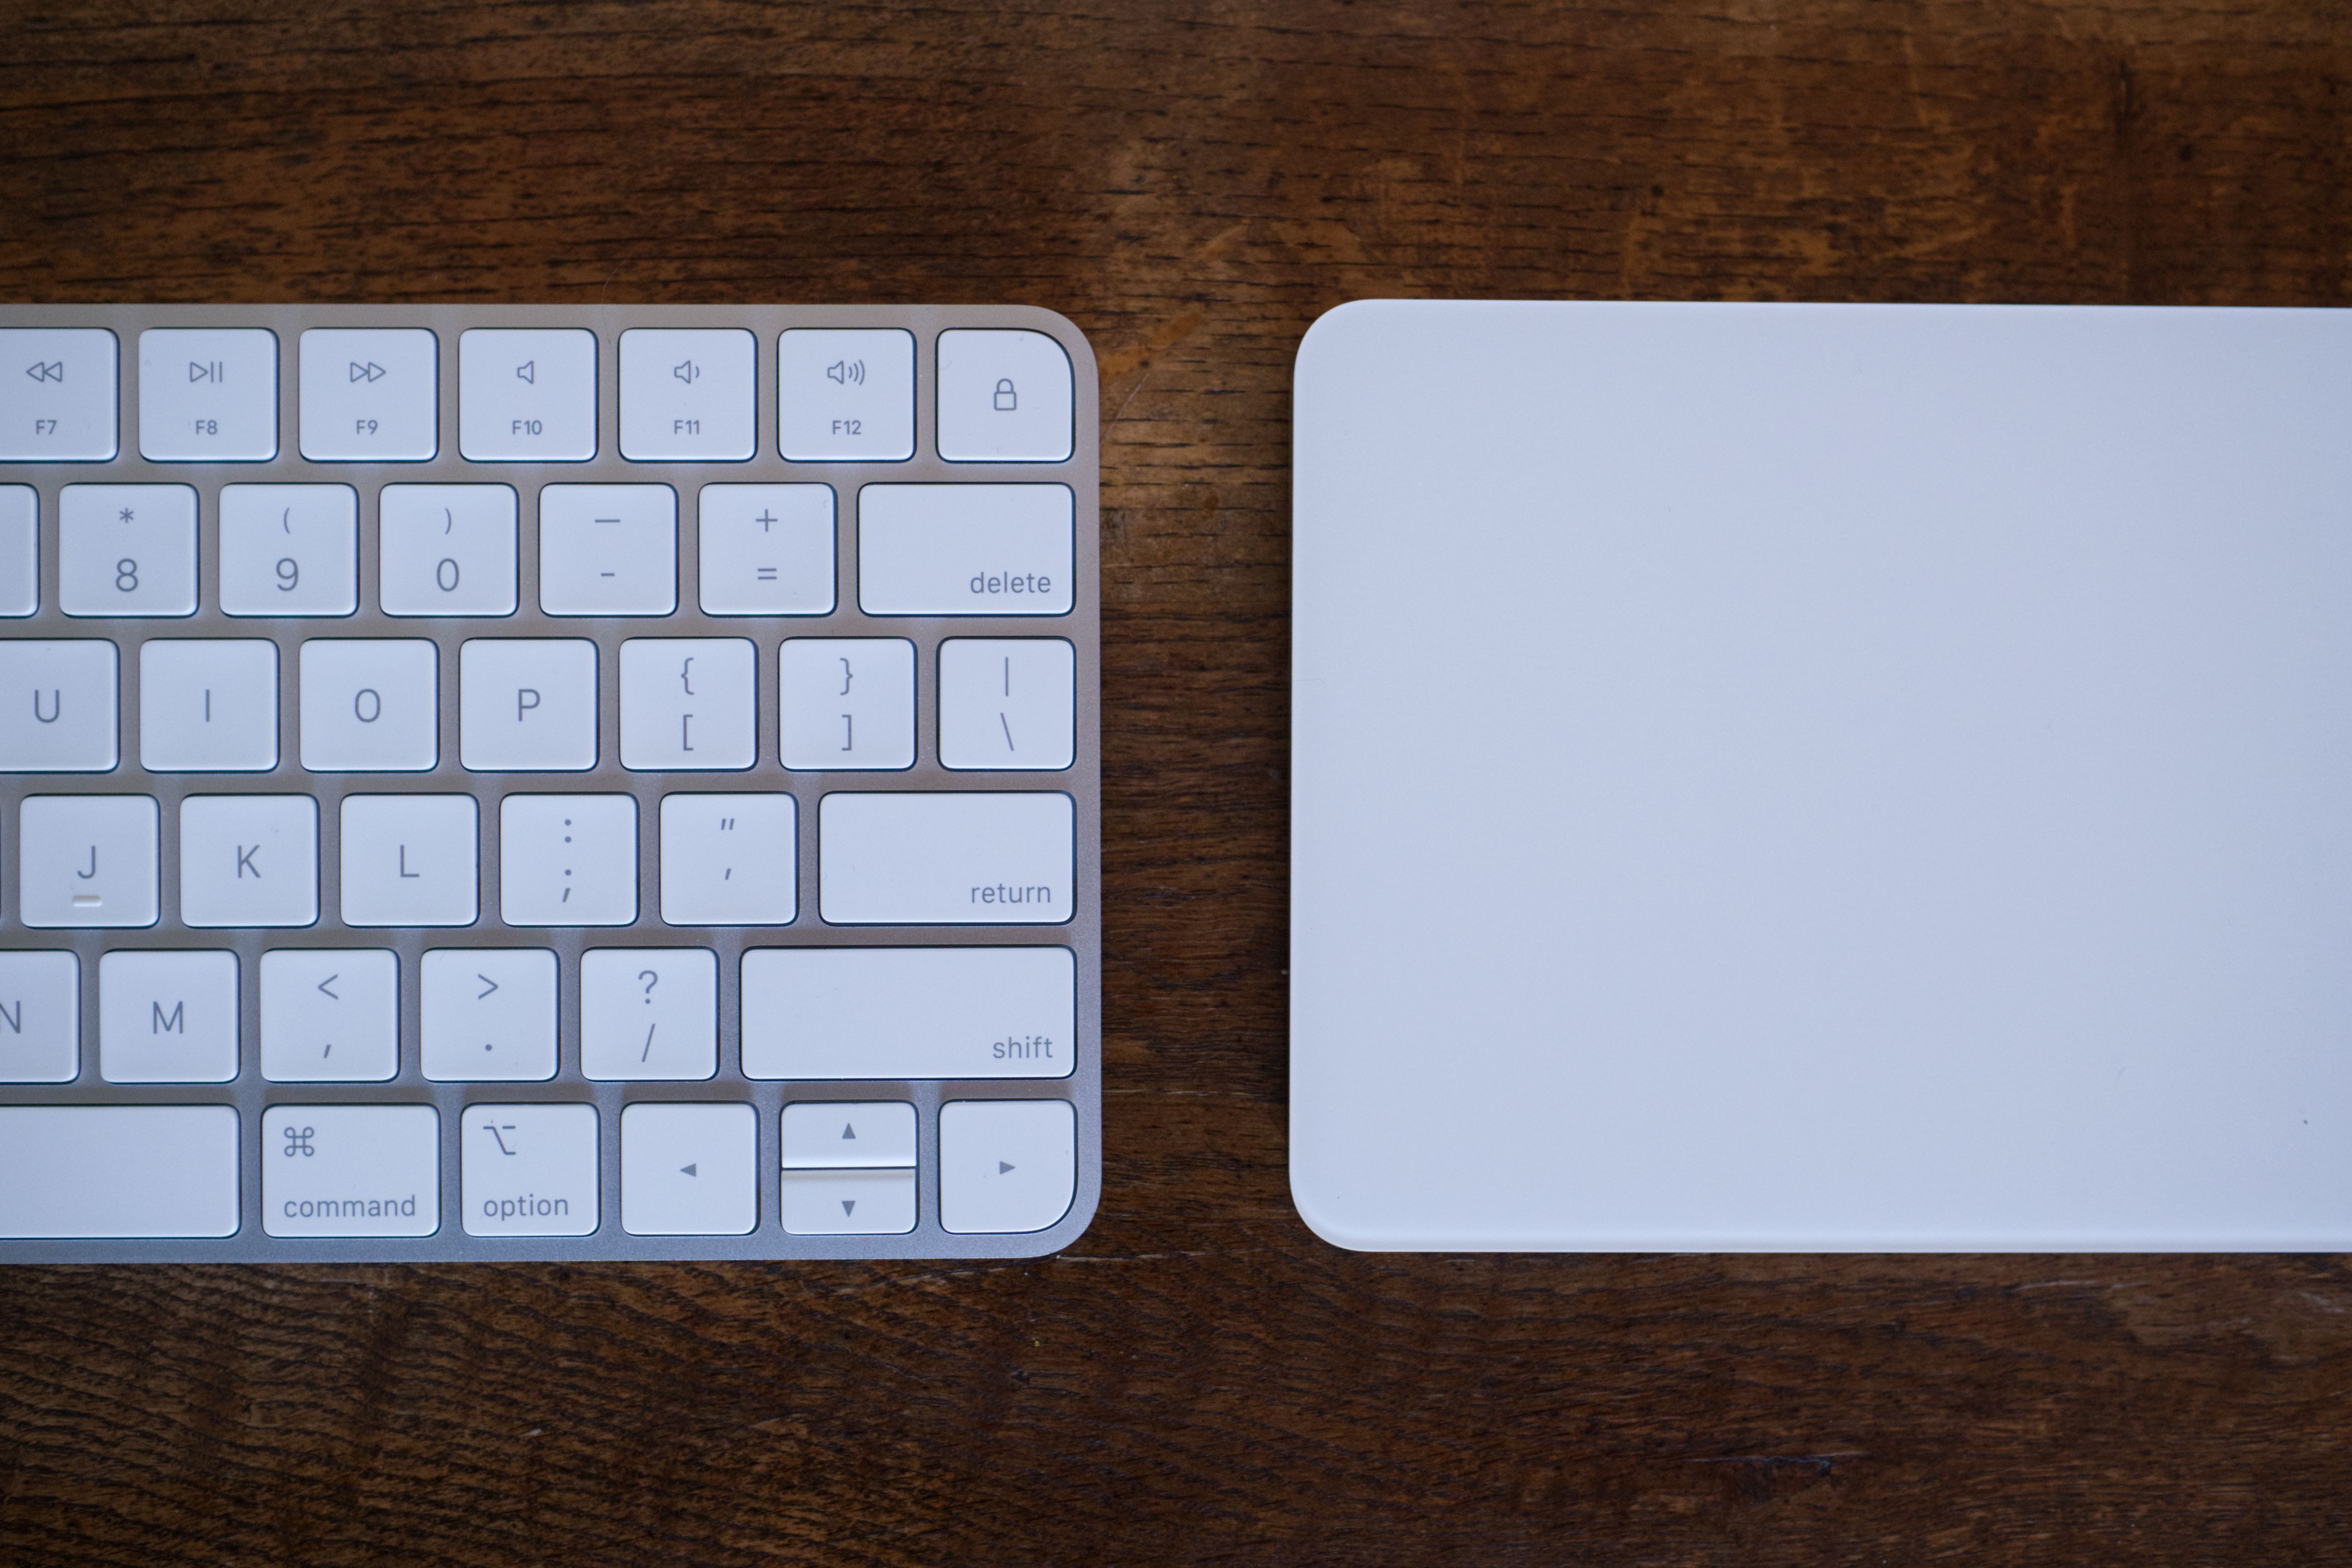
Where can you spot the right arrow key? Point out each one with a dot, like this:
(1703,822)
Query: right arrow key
(1006,1166)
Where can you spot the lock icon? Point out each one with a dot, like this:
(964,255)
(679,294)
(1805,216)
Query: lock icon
(1005,401)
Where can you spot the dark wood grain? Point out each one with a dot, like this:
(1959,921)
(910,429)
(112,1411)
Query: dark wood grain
(1199,1380)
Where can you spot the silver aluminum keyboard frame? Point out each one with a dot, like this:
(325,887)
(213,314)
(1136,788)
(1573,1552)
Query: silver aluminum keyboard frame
(251,1095)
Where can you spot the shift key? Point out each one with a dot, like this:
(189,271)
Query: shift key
(905,858)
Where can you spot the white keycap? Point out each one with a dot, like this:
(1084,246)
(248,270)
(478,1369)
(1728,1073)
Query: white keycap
(848,1202)
(488,1015)
(729,859)
(167,1017)
(767,550)
(688,704)
(868,1012)
(127,549)
(823,1134)
(249,861)
(208,394)
(689,1168)
(846,394)
(1006,1166)
(607,550)
(40,1017)
(568,859)
(57,395)
(20,549)
(649,1012)
(527,395)
(945,860)
(118,1170)
(529,1170)
(289,550)
(208,705)
(846,702)
(686,395)
(58,706)
(371,705)
(351,1170)
(1008,702)
(526,704)
(370,395)
(86,860)
(448,550)
(1004,398)
(965,549)
(329,1014)
(409,859)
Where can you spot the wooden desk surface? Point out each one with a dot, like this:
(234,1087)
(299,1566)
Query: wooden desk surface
(1199,1380)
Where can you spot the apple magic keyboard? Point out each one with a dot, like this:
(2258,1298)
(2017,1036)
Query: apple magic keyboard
(486,782)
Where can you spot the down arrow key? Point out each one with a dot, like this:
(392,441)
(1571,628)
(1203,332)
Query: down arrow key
(849,1202)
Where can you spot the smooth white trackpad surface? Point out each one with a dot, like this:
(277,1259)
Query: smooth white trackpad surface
(1822,777)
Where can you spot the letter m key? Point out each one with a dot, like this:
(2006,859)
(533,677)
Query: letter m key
(173,1022)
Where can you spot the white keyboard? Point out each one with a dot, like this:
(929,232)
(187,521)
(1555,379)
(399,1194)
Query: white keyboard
(488,782)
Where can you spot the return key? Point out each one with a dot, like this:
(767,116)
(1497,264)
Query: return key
(904,858)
